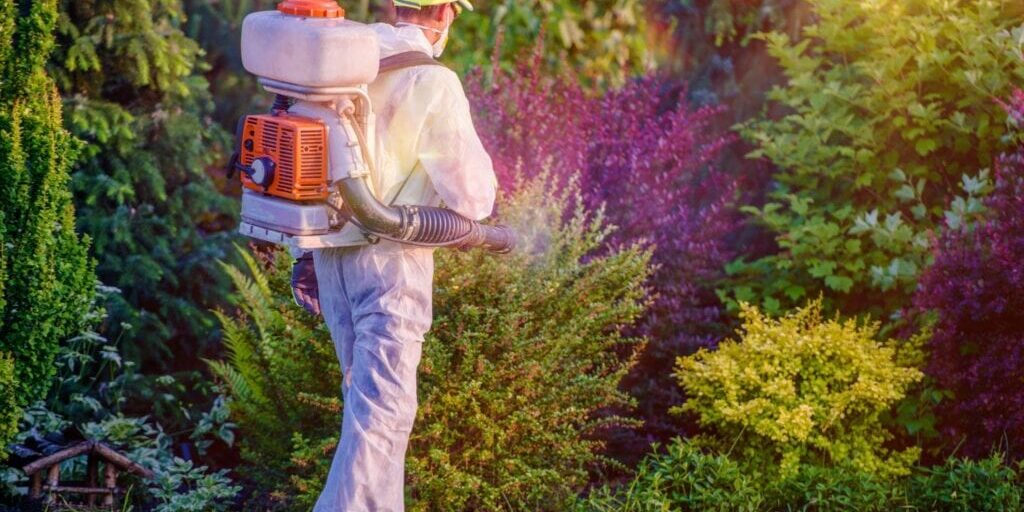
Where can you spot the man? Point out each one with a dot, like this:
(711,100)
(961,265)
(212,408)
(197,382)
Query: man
(376,298)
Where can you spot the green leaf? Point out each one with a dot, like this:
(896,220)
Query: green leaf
(839,283)
(925,147)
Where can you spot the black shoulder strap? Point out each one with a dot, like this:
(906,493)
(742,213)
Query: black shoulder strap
(406,60)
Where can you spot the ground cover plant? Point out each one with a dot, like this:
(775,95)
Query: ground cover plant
(90,393)
(690,477)
(46,278)
(888,135)
(976,291)
(523,350)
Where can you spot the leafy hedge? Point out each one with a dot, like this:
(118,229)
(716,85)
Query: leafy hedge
(10,413)
(605,40)
(524,349)
(888,132)
(133,92)
(689,477)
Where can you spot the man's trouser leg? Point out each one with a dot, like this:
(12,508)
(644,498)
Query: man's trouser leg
(376,301)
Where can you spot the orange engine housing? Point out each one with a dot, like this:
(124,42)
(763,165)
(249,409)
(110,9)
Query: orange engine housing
(298,147)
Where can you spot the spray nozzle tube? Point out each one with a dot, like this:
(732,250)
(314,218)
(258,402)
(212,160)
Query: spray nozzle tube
(416,225)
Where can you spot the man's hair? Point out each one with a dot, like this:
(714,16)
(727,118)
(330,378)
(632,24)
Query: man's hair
(423,13)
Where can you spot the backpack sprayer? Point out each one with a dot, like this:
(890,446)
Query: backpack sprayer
(306,176)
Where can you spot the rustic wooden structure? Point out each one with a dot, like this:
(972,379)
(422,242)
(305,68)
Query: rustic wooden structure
(45,473)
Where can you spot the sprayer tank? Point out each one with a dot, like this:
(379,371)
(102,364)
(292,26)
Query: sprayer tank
(308,51)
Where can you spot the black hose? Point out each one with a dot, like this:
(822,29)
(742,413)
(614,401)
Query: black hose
(420,225)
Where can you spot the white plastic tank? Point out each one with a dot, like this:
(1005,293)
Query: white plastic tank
(309,51)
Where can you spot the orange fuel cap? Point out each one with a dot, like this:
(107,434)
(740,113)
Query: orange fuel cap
(312,8)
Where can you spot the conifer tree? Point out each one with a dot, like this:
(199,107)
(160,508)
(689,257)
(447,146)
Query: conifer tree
(134,93)
(46,277)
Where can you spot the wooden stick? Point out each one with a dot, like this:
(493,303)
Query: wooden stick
(76,489)
(91,475)
(37,485)
(54,458)
(110,482)
(52,480)
(123,462)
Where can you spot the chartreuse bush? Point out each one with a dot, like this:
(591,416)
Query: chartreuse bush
(800,390)
(524,349)
(46,278)
(888,130)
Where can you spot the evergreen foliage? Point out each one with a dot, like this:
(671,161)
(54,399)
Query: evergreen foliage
(976,290)
(217,26)
(800,390)
(524,349)
(132,89)
(889,132)
(46,278)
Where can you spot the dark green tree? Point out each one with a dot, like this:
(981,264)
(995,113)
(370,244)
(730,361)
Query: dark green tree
(133,91)
(46,277)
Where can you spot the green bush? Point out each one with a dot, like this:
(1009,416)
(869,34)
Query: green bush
(688,477)
(134,94)
(968,486)
(524,349)
(685,477)
(800,390)
(889,129)
(10,413)
(46,278)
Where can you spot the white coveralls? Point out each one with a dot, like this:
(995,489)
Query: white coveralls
(376,299)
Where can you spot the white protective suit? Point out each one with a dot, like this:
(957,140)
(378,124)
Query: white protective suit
(376,299)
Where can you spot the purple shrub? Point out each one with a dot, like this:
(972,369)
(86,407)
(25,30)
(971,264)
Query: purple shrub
(651,161)
(976,287)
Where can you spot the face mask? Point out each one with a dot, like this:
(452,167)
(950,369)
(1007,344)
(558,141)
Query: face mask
(442,41)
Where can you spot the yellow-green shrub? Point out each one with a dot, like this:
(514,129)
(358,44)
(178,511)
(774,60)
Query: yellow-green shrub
(801,389)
